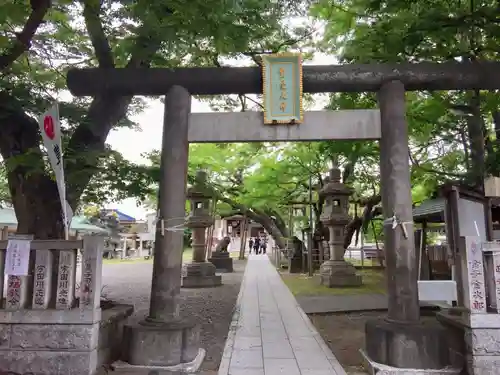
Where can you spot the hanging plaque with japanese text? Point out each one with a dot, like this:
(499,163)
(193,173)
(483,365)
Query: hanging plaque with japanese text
(282,88)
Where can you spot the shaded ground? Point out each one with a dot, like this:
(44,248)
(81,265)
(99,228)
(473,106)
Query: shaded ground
(130,282)
(303,285)
(342,303)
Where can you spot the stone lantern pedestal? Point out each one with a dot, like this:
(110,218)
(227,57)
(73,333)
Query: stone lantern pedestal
(336,272)
(199,273)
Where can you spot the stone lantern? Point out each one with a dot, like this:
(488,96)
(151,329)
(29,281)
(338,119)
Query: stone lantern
(199,273)
(336,271)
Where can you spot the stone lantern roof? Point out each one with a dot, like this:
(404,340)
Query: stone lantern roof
(334,186)
(199,189)
(199,194)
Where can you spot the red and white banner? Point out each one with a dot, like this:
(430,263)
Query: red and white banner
(50,127)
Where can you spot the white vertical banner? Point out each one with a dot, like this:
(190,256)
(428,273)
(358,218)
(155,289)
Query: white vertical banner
(50,127)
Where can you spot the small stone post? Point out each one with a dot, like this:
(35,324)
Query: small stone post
(336,272)
(43,279)
(400,340)
(91,284)
(164,339)
(199,273)
(66,279)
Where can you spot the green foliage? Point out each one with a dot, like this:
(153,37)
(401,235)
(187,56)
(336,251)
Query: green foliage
(117,34)
(265,178)
(443,146)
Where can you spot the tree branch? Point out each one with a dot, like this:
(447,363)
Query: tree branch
(102,49)
(88,141)
(23,41)
(361,222)
(439,173)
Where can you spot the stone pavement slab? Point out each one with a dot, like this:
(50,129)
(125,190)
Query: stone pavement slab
(270,334)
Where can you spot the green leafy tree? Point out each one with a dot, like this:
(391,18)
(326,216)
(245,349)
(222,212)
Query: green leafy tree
(263,181)
(35,54)
(444,146)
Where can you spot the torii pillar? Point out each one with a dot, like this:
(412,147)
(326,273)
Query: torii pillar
(164,339)
(400,340)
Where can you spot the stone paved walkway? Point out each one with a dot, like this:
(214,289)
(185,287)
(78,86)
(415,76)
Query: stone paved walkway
(270,334)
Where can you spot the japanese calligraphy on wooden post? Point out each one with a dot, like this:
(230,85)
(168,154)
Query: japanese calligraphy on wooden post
(491,258)
(90,285)
(15,288)
(282,89)
(43,277)
(17,267)
(66,279)
(475,299)
(496,273)
(86,287)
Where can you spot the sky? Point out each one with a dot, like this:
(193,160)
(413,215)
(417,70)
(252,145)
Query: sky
(132,143)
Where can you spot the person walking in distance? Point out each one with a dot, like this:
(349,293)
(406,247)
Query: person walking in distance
(256,245)
(263,245)
(250,245)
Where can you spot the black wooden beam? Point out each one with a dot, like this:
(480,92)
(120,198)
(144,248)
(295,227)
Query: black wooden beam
(321,78)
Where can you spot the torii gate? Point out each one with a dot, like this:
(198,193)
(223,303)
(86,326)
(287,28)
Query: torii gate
(394,341)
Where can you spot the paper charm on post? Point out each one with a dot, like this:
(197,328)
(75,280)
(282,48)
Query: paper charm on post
(282,88)
(50,127)
(17,258)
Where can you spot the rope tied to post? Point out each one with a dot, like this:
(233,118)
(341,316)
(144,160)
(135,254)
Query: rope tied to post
(171,228)
(395,222)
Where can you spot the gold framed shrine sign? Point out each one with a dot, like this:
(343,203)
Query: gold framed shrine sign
(282,88)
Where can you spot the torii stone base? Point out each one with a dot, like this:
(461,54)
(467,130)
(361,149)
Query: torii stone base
(200,275)
(407,349)
(172,346)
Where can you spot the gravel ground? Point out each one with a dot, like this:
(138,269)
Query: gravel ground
(130,283)
(345,335)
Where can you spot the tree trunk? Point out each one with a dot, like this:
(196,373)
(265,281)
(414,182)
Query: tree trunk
(34,193)
(274,227)
(361,222)
(476,137)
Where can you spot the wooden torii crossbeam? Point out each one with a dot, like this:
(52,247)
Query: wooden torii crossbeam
(317,79)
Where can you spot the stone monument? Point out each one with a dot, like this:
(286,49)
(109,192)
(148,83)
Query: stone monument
(199,273)
(336,271)
(220,257)
(294,251)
